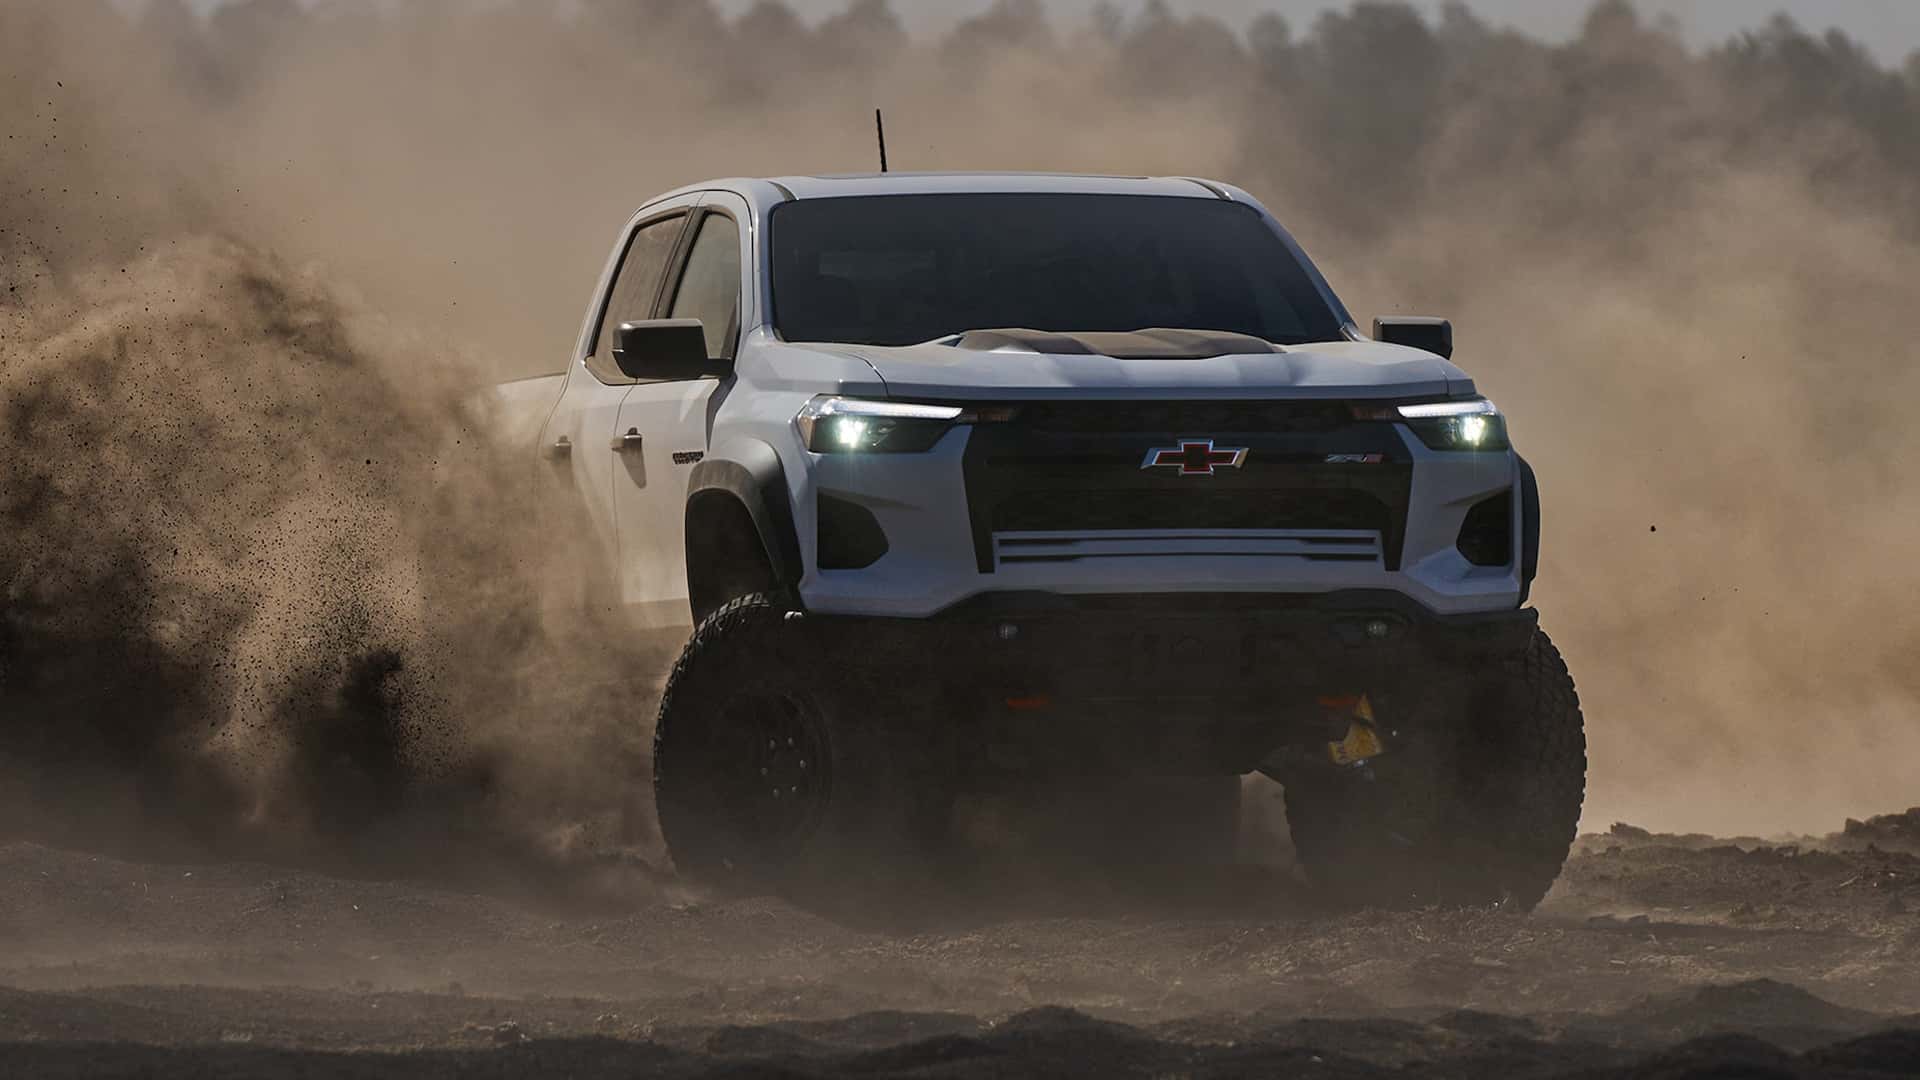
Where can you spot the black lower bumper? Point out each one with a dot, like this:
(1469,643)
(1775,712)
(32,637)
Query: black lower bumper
(1248,634)
(1205,683)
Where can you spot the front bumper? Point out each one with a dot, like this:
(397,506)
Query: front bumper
(1248,639)
(1076,515)
(1195,684)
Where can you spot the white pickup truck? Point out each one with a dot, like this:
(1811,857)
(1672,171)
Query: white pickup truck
(967,480)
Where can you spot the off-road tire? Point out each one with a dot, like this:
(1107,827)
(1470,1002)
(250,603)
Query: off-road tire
(862,771)
(1476,805)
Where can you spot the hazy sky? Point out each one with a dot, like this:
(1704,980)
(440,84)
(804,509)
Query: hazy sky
(1890,27)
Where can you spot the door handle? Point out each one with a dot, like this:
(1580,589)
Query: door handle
(561,449)
(630,441)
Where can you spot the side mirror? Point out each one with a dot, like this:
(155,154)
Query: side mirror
(663,349)
(1419,331)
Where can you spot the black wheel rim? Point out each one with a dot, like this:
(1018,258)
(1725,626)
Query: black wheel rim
(777,794)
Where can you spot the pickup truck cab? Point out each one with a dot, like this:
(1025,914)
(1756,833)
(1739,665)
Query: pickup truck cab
(965,477)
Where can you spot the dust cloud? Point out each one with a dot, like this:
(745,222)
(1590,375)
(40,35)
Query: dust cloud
(270,594)
(260,561)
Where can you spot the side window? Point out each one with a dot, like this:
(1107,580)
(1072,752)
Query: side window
(710,289)
(638,280)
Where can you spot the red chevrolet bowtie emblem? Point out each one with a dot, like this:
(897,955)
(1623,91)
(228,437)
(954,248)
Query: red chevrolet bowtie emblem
(1196,457)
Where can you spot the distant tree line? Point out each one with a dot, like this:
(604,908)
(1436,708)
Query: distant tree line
(1369,116)
(1372,92)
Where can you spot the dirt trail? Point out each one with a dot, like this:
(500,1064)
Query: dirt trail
(1648,943)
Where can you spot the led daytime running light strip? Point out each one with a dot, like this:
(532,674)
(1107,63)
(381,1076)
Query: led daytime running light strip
(882,410)
(1445,410)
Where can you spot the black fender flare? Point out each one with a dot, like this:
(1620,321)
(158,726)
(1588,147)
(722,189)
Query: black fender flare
(1529,527)
(753,477)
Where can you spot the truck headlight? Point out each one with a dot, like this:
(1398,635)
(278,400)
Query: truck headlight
(1457,425)
(838,425)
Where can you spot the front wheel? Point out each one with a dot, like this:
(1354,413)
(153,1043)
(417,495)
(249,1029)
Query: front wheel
(775,764)
(1475,804)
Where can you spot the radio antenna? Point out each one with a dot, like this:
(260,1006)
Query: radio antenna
(880,128)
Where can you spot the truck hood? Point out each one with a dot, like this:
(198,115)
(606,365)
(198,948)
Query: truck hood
(946,370)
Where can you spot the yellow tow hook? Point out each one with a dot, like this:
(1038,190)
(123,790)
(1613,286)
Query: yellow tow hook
(1363,742)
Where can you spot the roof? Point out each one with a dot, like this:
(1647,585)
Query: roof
(932,183)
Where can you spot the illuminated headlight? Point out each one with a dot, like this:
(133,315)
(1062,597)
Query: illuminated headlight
(1457,425)
(837,425)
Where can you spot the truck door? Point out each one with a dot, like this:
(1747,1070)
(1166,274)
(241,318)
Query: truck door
(666,421)
(579,437)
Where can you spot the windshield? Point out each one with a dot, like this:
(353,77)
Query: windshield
(903,269)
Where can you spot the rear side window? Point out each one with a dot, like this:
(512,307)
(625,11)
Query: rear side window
(710,288)
(902,269)
(638,281)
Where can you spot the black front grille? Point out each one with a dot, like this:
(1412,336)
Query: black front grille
(1077,467)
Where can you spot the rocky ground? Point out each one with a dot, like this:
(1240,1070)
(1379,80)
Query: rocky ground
(1655,955)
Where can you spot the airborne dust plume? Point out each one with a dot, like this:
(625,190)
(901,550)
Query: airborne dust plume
(265,574)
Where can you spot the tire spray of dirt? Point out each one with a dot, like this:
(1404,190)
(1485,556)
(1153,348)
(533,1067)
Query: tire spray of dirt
(269,586)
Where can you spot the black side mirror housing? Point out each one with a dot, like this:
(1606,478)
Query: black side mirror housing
(1418,331)
(664,349)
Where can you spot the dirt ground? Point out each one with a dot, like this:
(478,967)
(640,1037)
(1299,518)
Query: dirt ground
(1655,955)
